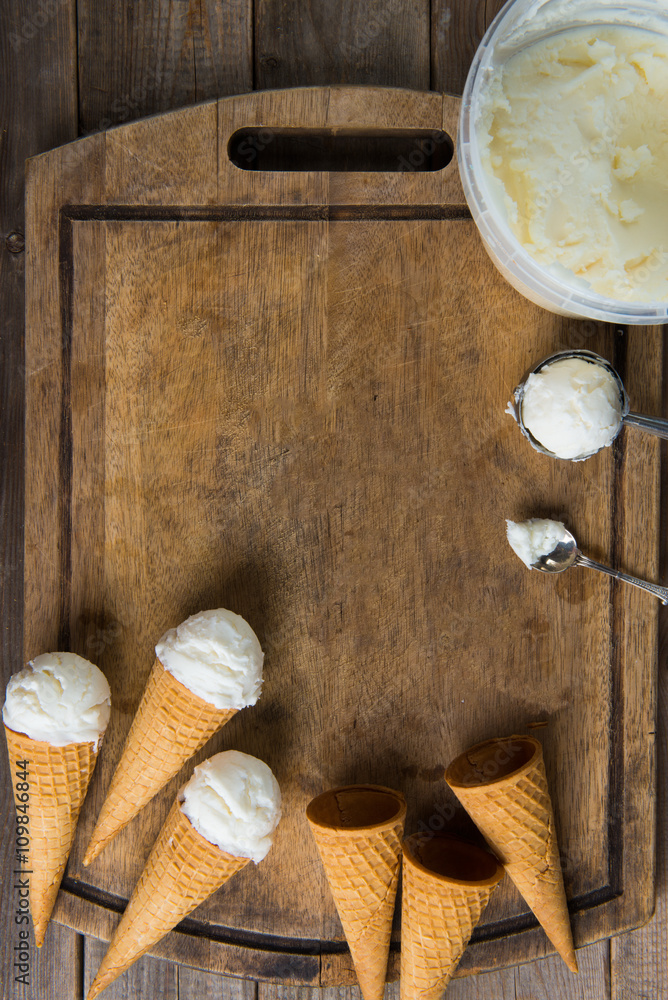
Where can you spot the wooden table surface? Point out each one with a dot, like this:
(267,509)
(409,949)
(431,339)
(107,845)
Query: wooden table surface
(71,67)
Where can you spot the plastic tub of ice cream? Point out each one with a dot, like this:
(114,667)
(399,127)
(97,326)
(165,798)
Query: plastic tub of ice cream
(526,175)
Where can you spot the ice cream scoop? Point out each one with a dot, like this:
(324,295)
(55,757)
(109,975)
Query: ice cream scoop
(59,698)
(532,539)
(566,411)
(218,657)
(565,553)
(234,801)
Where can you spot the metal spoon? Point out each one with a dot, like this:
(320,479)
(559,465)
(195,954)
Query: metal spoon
(566,554)
(654,425)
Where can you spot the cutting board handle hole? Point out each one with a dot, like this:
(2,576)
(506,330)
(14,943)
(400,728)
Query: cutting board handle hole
(300,149)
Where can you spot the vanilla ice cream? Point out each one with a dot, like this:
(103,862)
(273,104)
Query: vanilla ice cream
(572,407)
(59,698)
(573,131)
(234,801)
(534,538)
(217,656)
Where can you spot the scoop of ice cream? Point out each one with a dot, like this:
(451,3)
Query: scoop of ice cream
(59,698)
(234,801)
(572,407)
(217,656)
(534,538)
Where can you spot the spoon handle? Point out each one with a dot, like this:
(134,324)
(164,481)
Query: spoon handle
(654,425)
(653,588)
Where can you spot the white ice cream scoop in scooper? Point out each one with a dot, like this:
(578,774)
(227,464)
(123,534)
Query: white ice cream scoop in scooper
(573,403)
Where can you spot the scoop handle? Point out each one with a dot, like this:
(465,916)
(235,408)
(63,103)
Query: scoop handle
(652,588)
(654,425)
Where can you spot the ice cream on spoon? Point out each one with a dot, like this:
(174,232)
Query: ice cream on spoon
(549,547)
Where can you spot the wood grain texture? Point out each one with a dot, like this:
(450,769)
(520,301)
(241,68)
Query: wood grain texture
(56,969)
(197,985)
(304,455)
(149,978)
(487,986)
(546,979)
(369,42)
(38,110)
(456,30)
(266,992)
(549,978)
(159,161)
(136,59)
(639,960)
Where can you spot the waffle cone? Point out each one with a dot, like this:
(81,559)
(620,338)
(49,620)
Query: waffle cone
(58,778)
(446,886)
(358,833)
(170,726)
(182,870)
(502,785)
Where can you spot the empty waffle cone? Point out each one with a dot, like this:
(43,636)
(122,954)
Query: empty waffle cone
(358,831)
(170,726)
(182,870)
(446,886)
(58,778)
(502,785)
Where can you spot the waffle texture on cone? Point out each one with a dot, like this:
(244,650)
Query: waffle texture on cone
(502,785)
(358,831)
(182,870)
(446,886)
(170,726)
(58,778)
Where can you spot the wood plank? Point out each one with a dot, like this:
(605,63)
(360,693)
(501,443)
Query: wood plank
(369,42)
(149,978)
(456,30)
(197,985)
(140,58)
(488,986)
(546,979)
(56,968)
(549,979)
(38,111)
(639,960)
(163,160)
(267,992)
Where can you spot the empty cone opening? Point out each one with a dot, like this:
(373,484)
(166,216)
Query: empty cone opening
(492,761)
(356,807)
(452,860)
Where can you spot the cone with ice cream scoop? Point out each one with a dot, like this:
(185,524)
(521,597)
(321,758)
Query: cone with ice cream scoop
(502,785)
(55,714)
(358,831)
(446,886)
(204,672)
(224,817)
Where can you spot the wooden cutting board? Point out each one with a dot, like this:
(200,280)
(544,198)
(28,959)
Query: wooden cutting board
(283,393)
